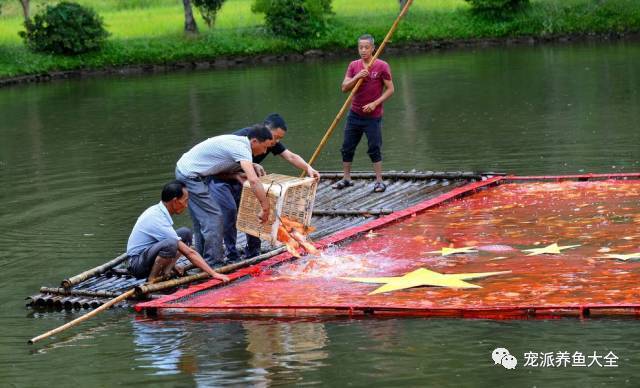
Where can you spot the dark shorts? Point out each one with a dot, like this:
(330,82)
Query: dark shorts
(140,265)
(354,129)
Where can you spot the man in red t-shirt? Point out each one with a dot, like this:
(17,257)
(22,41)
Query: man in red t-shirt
(365,116)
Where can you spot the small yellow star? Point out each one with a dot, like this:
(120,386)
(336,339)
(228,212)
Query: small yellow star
(629,256)
(446,251)
(550,249)
(425,277)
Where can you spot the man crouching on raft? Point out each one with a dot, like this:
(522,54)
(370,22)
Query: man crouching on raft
(154,246)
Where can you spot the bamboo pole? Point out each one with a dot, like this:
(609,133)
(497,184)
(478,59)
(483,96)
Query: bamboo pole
(149,288)
(72,281)
(342,111)
(84,317)
(409,175)
(356,212)
(245,262)
(67,292)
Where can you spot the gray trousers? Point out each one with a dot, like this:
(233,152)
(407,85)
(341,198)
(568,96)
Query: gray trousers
(140,265)
(207,219)
(227,194)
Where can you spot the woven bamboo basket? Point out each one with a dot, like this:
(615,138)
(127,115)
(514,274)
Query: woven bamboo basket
(289,197)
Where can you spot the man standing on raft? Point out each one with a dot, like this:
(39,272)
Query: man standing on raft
(365,116)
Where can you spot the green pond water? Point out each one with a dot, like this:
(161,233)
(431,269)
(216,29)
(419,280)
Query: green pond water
(81,159)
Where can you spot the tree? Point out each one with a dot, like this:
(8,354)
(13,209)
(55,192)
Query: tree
(25,9)
(497,8)
(190,25)
(296,19)
(65,28)
(208,10)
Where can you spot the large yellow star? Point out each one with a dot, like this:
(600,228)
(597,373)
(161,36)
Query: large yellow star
(425,277)
(550,249)
(629,256)
(445,251)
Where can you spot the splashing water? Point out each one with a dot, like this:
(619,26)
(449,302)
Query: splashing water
(331,264)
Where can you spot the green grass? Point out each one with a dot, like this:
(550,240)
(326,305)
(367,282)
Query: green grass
(150,31)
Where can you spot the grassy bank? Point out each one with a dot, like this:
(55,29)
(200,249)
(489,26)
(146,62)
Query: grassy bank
(150,31)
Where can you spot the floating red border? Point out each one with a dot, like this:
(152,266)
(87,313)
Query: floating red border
(502,312)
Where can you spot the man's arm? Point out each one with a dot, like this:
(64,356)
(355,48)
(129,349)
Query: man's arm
(259,169)
(349,82)
(388,91)
(257,188)
(298,162)
(197,260)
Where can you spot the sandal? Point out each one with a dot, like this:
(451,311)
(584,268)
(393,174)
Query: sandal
(379,187)
(342,184)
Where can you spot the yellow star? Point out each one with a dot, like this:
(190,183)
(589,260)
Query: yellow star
(630,256)
(425,277)
(446,251)
(550,249)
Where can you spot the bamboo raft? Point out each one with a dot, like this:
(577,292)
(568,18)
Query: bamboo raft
(334,211)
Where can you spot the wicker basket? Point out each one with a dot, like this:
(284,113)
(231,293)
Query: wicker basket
(289,197)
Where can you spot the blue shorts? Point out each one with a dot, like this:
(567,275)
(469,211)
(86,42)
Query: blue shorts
(353,130)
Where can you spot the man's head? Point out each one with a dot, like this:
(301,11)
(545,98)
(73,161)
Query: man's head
(175,197)
(366,45)
(277,126)
(261,139)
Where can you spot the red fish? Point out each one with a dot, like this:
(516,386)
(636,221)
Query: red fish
(496,248)
(293,235)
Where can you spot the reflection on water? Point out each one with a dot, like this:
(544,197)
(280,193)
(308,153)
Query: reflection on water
(387,352)
(210,351)
(285,348)
(160,348)
(81,159)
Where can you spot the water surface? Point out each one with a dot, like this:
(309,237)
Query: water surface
(81,159)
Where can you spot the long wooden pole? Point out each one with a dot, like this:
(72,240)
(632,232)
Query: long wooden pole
(149,288)
(83,318)
(346,104)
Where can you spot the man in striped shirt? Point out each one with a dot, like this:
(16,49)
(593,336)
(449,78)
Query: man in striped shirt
(220,155)
(154,246)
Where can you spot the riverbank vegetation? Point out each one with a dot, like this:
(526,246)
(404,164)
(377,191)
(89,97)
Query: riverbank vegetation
(151,31)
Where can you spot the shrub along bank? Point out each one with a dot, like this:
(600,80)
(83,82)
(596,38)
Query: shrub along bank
(239,33)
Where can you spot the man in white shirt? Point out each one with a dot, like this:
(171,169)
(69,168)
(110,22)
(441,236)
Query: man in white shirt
(227,190)
(220,155)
